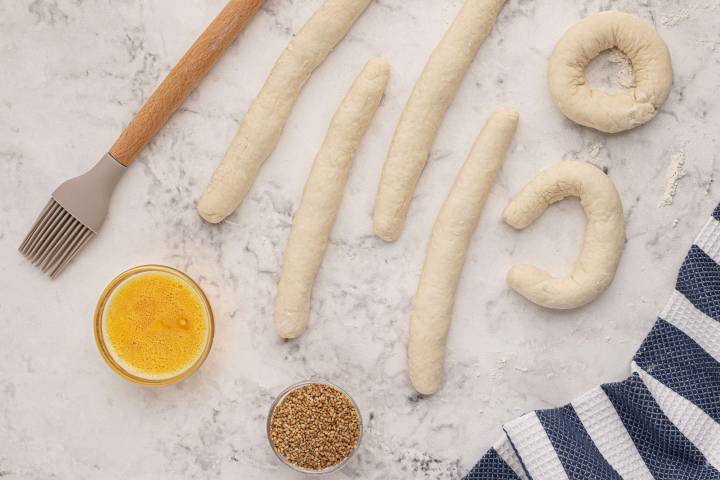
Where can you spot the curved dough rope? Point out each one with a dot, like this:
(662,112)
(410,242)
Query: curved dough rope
(433,93)
(449,241)
(322,198)
(602,111)
(604,234)
(263,124)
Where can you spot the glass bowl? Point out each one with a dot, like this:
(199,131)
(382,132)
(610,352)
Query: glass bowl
(297,468)
(104,348)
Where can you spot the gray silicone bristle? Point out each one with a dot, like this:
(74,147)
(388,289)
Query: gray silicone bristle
(55,239)
(74,214)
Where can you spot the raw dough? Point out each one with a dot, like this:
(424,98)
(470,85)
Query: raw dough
(448,246)
(605,112)
(604,234)
(424,113)
(322,198)
(264,122)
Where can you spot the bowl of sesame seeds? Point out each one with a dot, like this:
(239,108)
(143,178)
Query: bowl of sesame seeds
(314,427)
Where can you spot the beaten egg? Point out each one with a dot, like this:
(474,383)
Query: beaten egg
(155,325)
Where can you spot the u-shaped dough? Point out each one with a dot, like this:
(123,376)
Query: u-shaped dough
(604,234)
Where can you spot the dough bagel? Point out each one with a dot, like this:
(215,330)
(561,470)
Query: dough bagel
(584,41)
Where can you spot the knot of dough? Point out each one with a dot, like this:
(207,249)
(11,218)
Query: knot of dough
(604,234)
(584,41)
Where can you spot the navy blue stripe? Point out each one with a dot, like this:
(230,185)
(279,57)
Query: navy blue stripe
(716,213)
(491,467)
(699,281)
(668,454)
(672,357)
(578,454)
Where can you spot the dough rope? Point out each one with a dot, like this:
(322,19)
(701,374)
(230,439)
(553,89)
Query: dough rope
(264,122)
(604,234)
(449,242)
(584,41)
(420,121)
(322,198)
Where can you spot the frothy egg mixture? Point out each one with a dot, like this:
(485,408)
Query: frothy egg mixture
(155,325)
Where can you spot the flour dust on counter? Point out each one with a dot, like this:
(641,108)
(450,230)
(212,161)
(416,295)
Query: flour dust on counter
(675,173)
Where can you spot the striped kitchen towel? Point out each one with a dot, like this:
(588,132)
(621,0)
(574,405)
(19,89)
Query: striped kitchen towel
(660,423)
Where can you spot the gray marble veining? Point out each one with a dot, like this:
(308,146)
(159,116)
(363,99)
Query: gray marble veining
(72,72)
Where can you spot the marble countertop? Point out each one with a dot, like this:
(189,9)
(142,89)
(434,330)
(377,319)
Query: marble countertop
(72,74)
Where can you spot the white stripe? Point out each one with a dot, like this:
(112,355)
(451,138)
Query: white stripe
(696,425)
(705,331)
(505,450)
(602,423)
(534,448)
(709,239)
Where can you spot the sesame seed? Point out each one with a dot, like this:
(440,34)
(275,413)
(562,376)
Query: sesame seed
(315,427)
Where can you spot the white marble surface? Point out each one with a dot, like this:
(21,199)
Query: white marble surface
(72,72)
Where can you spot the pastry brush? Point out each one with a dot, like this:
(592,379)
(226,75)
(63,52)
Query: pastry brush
(77,209)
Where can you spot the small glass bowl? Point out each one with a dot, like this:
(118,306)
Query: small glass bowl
(100,338)
(297,468)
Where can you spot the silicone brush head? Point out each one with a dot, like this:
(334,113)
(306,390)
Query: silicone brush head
(55,239)
(74,214)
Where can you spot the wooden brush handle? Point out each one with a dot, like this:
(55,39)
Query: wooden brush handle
(183,79)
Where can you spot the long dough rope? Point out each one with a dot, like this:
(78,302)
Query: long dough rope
(604,234)
(264,122)
(448,247)
(322,198)
(424,113)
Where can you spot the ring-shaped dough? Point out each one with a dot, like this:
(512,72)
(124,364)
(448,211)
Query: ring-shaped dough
(604,234)
(584,41)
